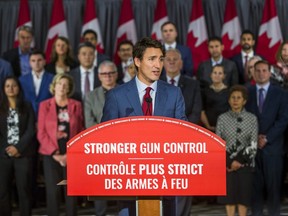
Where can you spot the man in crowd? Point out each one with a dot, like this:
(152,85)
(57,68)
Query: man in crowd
(269,103)
(247,43)
(125,49)
(146,95)
(192,96)
(169,35)
(19,57)
(5,70)
(91,36)
(216,47)
(86,75)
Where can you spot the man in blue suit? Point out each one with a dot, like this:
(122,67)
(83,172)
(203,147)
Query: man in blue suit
(5,70)
(36,84)
(269,104)
(169,35)
(127,99)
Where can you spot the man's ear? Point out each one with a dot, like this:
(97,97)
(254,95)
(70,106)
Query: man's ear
(137,62)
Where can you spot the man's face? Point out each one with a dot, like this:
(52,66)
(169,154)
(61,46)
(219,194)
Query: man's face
(262,74)
(247,42)
(86,57)
(150,67)
(90,37)
(107,75)
(37,63)
(284,52)
(169,34)
(25,39)
(172,63)
(125,52)
(215,49)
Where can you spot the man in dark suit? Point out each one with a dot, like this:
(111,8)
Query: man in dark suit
(125,49)
(247,43)
(164,99)
(169,35)
(193,104)
(91,36)
(36,84)
(86,75)
(269,104)
(216,47)
(5,70)
(19,57)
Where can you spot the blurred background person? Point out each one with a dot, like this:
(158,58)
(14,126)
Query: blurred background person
(60,118)
(239,129)
(93,109)
(17,129)
(19,56)
(125,49)
(5,70)
(250,70)
(214,98)
(62,58)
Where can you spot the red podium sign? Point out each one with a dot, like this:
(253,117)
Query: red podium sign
(146,156)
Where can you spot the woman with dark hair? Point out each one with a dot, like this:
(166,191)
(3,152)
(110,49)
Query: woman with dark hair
(62,59)
(17,130)
(60,118)
(239,129)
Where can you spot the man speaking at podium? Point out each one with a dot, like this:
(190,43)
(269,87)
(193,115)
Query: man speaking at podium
(146,95)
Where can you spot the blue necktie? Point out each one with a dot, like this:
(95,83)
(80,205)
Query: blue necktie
(261,99)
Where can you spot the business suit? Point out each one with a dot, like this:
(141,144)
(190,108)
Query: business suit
(12,56)
(93,106)
(205,69)
(239,64)
(124,101)
(192,96)
(76,75)
(269,160)
(29,89)
(120,74)
(53,172)
(5,70)
(19,167)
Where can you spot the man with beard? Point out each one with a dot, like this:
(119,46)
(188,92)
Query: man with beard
(247,42)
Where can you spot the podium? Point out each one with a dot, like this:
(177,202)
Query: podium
(145,159)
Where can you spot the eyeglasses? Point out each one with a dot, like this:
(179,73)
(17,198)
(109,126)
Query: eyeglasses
(107,73)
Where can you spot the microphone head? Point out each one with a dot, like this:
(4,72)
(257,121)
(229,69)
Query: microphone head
(148,100)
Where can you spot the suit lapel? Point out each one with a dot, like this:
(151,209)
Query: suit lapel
(31,87)
(44,85)
(160,99)
(133,97)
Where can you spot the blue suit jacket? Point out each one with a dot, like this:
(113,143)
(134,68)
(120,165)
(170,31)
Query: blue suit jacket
(273,119)
(29,90)
(5,70)
(187,59)
(123,101)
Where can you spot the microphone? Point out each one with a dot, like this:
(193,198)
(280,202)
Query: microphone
(148,100)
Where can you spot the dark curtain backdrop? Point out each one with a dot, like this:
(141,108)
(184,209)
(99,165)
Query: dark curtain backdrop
(249,11)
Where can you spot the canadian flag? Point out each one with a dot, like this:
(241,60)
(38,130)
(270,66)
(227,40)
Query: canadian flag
(91,22)
(23,20)
(231,30)
(126,27)
(58,27)
(160,17)
(197,36)
(270,36)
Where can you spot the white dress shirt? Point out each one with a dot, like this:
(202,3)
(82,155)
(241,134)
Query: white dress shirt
(37,79)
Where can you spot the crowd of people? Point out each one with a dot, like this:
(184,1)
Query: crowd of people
(43,104)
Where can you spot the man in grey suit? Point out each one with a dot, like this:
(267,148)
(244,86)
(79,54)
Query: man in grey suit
(216,48)
(129,99)
(93,106)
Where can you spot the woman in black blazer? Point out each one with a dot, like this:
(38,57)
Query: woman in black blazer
(17,130)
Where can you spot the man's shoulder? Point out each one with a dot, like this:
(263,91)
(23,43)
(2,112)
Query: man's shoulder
(182,48)
(11,53)
(75,71)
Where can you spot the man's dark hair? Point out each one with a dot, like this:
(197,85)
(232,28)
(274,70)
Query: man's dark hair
(247,32)
(37,52)
(90,31)
(86,44)
(215,38)
(125,42)
(263,62)
(143,44)
(167,23)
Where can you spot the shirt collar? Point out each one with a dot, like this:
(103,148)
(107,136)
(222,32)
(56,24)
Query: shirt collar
(142,87)
(40,75)
(83,70)
(250,54)
(217,62)
(265,86)
(173,46)
(176,78)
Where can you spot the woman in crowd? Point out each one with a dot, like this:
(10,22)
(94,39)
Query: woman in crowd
(17,130)
(60,118)
(240,131)
(62,59)
(214,98)
(250,65)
